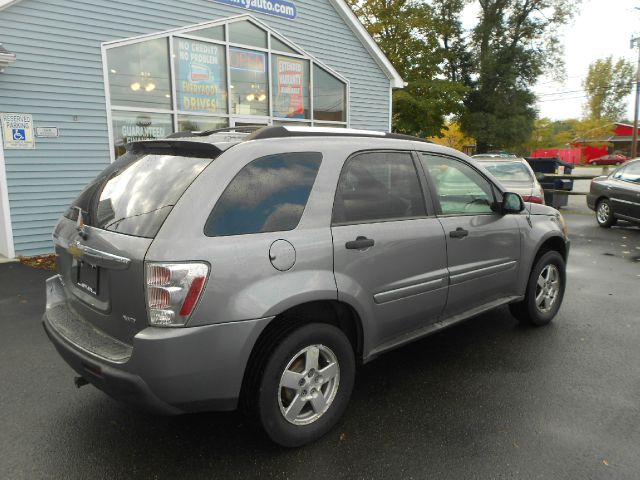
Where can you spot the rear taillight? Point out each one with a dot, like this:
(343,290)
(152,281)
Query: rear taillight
(173,291)
(532,199)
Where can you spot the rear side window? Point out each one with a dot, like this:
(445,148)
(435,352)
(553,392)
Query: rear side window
(509,171)
(268,195)
(378,186)
(135,194)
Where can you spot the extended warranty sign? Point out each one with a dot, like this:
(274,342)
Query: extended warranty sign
(279,8)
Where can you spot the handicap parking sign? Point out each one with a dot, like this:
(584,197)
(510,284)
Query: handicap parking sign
(19,134)
(17,130)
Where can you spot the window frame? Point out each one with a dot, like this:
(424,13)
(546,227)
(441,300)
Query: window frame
(434,190)
(190,32)
(422,182)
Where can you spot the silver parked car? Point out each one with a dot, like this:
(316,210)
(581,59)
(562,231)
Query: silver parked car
(515,174)
(223,270)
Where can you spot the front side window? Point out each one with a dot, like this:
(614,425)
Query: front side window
(631,173)
(139,75)
(268,195)
(461,190)
(378,186)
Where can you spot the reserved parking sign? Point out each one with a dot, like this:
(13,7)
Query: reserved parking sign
(17,130)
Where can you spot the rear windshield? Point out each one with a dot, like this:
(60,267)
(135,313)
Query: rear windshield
(135,194)
(509,171)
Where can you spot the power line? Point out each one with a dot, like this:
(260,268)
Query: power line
(596,90)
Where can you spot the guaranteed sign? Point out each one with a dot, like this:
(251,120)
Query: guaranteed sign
(279,8)
(17,130)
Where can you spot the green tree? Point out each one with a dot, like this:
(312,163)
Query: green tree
(607,85)
(424,42)
(513,43)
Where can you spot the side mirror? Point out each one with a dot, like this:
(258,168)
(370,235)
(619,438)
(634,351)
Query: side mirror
(512,203)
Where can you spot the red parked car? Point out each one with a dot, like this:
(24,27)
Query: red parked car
(612,159)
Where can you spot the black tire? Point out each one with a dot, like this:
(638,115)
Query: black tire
(527,311)
(270,393)
(604,213)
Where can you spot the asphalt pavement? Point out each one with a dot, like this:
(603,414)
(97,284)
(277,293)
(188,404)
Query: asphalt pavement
(484,399)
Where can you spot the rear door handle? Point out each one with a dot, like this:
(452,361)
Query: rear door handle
(359,243)
(459,233)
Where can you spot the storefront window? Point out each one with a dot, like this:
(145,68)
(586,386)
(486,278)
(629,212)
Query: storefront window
(249,82)
(329,97)
(214,33)
(290,77)
(134,126)
(201,76)
(281,46)
(139,75)
(206,84)
(246,33)
(194,123)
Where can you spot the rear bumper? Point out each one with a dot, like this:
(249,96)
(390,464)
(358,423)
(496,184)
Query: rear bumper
(169,370)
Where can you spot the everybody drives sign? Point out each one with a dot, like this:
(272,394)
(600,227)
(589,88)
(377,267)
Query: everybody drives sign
(279,8)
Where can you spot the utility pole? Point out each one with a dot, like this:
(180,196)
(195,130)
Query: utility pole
(635,42)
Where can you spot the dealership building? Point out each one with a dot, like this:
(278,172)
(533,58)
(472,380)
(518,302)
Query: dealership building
(78,80)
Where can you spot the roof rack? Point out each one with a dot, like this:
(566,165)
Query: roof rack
(286,132)
(206,133)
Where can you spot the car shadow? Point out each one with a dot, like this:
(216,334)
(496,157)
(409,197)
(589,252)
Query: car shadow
(445,390)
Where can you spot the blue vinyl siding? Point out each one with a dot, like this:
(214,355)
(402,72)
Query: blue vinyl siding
(58,78)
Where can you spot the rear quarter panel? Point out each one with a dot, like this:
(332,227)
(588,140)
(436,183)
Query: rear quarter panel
(243,284)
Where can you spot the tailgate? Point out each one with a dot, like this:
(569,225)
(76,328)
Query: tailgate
(104,278)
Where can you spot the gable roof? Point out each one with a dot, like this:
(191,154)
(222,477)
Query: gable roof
(356,27)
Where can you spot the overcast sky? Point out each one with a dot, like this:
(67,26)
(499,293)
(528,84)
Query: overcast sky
(601,28)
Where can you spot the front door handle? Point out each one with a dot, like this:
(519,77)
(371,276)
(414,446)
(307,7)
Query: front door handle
(359,243)
(459,233)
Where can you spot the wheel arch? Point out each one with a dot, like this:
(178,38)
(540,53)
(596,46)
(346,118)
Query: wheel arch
(554,242)
(329,311)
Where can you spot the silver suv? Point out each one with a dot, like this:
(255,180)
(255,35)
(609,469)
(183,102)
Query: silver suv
(229,269)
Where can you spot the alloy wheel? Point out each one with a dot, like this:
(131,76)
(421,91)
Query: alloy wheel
(547,288)
(603,212)
(309,384)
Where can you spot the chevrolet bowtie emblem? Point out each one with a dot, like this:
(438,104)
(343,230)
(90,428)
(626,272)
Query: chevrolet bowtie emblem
(80,224)
(74,250)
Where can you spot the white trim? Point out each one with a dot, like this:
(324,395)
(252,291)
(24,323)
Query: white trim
(107,102)
(390,108)
(7,3)
(369,43)
(6,231)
